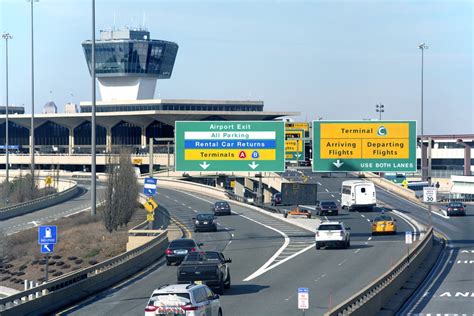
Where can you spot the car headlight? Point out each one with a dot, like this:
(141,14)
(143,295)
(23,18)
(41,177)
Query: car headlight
(196,222)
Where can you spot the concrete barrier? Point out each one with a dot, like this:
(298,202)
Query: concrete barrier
(40,203)
(370,300)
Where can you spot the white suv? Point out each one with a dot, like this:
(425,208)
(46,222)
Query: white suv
(184,299)
(332,234)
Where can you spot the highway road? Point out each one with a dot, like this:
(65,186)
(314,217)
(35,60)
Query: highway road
(271,259)
(450,288)
(78,204)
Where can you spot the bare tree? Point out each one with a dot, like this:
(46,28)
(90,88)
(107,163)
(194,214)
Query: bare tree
(121,193)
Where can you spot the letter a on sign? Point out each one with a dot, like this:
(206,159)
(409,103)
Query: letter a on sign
(242,154)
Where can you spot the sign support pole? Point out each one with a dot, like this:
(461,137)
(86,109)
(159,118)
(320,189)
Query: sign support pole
(168,148)
(150,157)
(429,179)
(46,269)
(260,189)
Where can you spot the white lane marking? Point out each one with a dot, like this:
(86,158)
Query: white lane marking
(366,243)
(323,275)
(284,260)
(339,201)
(319,183)
(195,211)
(183,204)
(370,238)
(189,207)
(326,218)
(357,251)
(167,196)
(263,268)
(332,195)
(367,220)
(440,215)
(408,220)
(232,235)
(362,215)
(326,190)
(342,262)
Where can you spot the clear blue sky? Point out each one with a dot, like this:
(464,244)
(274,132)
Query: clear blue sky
(330,59)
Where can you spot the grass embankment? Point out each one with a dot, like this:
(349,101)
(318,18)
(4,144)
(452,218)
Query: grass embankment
(82,242)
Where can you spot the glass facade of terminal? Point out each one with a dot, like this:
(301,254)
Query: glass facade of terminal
(152,58)
(175,107)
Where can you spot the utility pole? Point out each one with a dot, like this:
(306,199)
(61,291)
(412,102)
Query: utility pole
(93,124)
(32,127)
(6,37)
(168,148)
(422,46)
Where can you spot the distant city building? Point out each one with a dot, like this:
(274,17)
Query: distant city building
(12,109)
(71,108)
(50,108)
(128,63)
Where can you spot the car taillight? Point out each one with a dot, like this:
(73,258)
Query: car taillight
(450,208)
(151,308)
(193,249)
(168,251)
(189,307)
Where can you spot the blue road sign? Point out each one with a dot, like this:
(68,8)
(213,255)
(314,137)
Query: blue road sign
(149,188)
(302,290)
(47,235)
(47,248)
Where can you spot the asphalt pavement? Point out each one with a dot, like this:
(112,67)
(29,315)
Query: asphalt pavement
(270,260)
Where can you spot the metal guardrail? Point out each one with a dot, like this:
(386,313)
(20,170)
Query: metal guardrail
(36,204)
(370,299)
(61,292)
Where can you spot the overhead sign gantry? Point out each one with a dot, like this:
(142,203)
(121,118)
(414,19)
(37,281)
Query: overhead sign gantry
(249,146)
(377,146)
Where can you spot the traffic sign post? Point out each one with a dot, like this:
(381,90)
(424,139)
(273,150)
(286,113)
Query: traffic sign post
(376,146)
(248,146)
(408,242)
(149,187)
(430,195)
(47,235)
(303,299)
(47,238)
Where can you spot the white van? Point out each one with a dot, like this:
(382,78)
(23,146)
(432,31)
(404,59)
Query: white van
(358,194)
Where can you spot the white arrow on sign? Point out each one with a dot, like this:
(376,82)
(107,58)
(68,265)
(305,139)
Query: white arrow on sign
(298,155)
(46,247)
(204,165)
(338,163)
(253,165)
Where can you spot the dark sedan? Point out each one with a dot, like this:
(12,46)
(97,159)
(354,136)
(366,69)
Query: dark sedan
(179,248)
(455,208)
(205,222)
(221,208)
(327,208)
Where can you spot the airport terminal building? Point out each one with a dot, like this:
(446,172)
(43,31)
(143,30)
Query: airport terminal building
(128,64)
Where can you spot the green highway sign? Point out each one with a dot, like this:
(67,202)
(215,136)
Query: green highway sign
(248,146)
(377,146)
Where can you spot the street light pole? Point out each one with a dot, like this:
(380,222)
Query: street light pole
(379,108)
(6,37)
(93,135)
(422,46)
(32,128)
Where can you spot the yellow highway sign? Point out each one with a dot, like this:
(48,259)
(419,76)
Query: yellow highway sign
(48,180)
(150,205)
(303,125)
(150,217)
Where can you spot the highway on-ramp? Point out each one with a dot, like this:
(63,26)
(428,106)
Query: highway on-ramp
(270,260)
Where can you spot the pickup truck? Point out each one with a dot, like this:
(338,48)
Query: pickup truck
(206,267)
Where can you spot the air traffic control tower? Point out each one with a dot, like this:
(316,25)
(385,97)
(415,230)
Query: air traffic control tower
(128,63)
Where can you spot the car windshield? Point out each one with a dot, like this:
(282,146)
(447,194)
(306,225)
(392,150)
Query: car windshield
(187,243)
(383,218)
(330,227)
(205,217)
(165,299)
(222,204)
(455,204)
(328,204)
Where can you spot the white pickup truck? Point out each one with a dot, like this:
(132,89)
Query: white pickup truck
(332,234)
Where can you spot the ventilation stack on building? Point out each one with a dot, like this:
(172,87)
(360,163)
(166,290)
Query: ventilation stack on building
(50,108)
(71,108)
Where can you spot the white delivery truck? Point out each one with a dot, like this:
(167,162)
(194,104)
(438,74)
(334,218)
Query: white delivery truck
(358,194)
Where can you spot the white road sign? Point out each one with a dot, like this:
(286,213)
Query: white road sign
(408,237)
(303,298)
(429,194)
